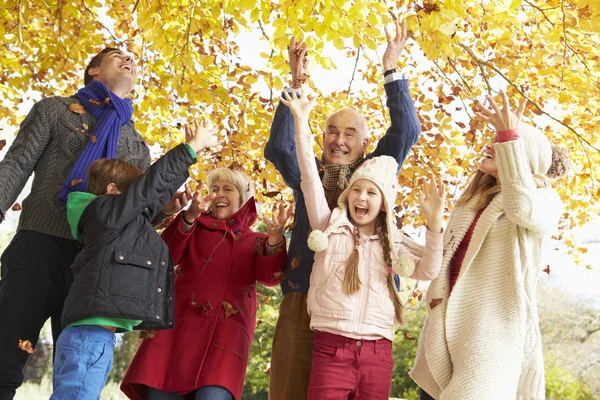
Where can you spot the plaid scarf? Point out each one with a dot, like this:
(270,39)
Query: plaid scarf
(335,179)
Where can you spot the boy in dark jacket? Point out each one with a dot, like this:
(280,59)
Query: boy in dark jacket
(124,275)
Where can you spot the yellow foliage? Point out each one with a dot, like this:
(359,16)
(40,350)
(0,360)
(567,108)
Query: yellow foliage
(188,51)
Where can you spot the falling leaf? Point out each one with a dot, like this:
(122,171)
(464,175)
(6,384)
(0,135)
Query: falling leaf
(291,227)
(16,207)
(2,143)
(96,103)
(107,100)
(260,339)
(229,310)
(85,126)
(268,369)
(77,108)
(26,346)
(76,182)
(589,267)
(193,302)
(149,334)
(93,138)
(271,194)
(208,305)
(278,275)
(434,303)
(417,294)
(295,262)
(406,337)
(547,269)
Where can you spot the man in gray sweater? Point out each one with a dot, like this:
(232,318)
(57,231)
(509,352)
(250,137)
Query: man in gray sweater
(57,140)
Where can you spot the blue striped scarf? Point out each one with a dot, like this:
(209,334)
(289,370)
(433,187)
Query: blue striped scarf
(111,116)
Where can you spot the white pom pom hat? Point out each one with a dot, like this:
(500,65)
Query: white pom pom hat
(382,171)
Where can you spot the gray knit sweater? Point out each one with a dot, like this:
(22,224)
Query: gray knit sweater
(49,142)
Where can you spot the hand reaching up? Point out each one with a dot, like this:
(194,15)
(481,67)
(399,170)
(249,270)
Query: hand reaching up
(277,222)
(502,119)
(395,45)
(431,200)
(199,136)
(298,62)
(300,107)
(199,205)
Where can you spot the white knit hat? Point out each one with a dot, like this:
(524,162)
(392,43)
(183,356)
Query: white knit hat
(538,148)
(382,171)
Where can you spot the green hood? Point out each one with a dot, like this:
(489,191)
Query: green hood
(77,202)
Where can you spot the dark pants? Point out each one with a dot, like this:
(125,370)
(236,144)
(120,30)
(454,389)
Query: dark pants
(423,395)
(36,277)
(204,393)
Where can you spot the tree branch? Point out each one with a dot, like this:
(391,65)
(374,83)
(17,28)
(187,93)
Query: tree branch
(540,10)
(100,23)
(481,62)
(353,72)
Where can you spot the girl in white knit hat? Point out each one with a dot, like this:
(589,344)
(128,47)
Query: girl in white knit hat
(353,297)
(481,339)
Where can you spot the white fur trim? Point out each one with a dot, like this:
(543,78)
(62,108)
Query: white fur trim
(318,240)
(404,265)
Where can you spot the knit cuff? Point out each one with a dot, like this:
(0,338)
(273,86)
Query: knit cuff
(511,159)
(505,136)
(191,150)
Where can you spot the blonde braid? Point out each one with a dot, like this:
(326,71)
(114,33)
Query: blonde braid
(351,279)
(387,256)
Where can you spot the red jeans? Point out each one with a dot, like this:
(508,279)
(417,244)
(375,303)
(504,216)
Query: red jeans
(350,369)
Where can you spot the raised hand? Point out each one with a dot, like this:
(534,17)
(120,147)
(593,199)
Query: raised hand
(298,62)
(277,222)
(299,106)
(502,119)
(199,136)
(395,45)
(178,201)
(199,205)
(431,200)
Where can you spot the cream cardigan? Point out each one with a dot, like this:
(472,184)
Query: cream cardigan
(483,340)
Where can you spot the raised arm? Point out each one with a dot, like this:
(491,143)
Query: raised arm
(22,156)
(314,195)
(281,147)
(405,127)
(525,204)
(156,186)
(431,201)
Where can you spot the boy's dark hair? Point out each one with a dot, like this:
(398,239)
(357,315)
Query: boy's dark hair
(95,62)
(103,172)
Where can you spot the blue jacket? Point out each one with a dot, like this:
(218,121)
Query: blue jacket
(281,151)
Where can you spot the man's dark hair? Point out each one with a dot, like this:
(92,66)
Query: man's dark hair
(95,62)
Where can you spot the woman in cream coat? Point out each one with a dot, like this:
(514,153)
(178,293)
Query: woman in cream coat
(481,339)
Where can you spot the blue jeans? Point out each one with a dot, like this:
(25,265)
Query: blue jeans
(204,393)
(84,356)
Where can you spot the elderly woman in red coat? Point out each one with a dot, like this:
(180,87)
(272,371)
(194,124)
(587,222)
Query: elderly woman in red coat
(219,260)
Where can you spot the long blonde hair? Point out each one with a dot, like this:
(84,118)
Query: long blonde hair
(487,187)
(352,283)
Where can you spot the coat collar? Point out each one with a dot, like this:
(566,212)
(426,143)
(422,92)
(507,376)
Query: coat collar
(437,353)
(239,222)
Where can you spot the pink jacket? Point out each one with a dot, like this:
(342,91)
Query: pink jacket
(368,314)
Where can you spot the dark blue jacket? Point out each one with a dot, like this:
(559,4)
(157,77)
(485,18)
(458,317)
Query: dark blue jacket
(281,151)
